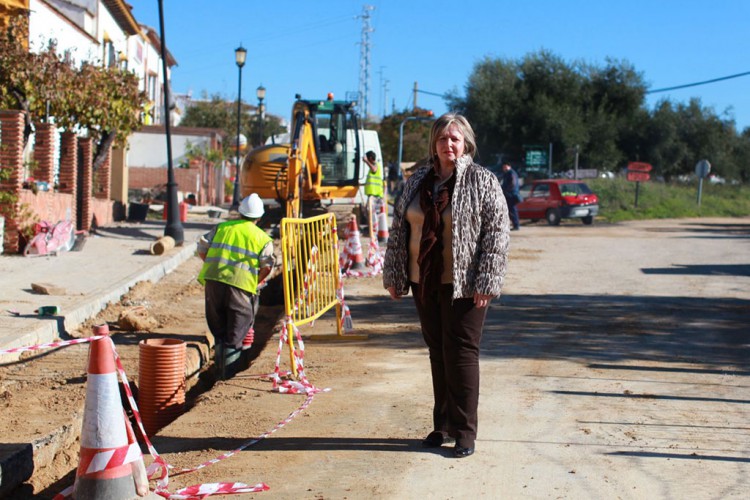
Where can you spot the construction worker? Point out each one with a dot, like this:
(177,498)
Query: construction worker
(374,184)
(237,255)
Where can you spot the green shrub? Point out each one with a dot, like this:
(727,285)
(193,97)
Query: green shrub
(659,200)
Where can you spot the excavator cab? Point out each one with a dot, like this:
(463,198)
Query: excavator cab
(321,163)
(334,128)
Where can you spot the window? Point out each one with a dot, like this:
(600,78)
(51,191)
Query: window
(574,189)
(540,191)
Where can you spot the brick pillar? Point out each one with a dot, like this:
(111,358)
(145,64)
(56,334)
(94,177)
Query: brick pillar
(44,153)
(11,179)
(104,177)
(67,178)
(86,159)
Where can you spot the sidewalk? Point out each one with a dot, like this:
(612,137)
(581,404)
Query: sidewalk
(111,262)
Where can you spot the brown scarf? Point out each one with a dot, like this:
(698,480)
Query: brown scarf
(430,257)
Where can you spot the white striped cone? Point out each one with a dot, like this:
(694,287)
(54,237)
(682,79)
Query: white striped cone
(382,225)
(348,323)
(356,257)
(105,464)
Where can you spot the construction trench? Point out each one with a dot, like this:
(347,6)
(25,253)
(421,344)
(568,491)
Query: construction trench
(134,322)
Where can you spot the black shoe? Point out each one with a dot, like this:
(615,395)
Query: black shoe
(436,439)
(461,452)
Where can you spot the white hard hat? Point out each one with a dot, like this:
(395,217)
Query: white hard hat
(252,206)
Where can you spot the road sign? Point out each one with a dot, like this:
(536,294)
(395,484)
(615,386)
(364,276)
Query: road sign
(702,168)
(639,166)
(638,176)
(536,157)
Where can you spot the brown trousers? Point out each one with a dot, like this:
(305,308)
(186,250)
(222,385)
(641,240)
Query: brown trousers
(452,330)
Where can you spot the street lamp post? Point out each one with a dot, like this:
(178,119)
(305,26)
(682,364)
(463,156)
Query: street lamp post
(174,227)
(239,56)
(260,94)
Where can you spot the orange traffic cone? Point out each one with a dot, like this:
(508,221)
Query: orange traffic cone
(382,224)
(108,457)
(356,257)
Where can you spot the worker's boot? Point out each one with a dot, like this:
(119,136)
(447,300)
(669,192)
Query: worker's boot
(227,360)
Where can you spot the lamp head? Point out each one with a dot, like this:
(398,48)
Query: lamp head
(260,92)
(240,53)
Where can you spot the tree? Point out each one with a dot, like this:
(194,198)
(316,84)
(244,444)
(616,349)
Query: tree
(107,103)
(601,109)
(222,114)
(104,101)
(415,139)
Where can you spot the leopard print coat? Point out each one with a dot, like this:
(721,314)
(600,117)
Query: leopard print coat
(481,233)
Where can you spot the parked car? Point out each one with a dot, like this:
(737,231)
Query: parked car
(556,199)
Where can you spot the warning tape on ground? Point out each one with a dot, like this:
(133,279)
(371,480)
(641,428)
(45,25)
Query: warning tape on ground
(159,470)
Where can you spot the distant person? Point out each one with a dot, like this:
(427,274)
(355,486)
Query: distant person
(511,190)
(394,176)
(237,255)
(449,245)
(374,184)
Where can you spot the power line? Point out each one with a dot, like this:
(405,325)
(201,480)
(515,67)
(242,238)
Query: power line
(666,89)
(432,93)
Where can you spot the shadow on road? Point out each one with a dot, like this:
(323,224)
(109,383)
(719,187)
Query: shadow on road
(589,329)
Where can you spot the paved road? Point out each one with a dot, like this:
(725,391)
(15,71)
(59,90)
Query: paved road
(616,366)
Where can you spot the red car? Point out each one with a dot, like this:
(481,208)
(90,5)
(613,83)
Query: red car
(556,199)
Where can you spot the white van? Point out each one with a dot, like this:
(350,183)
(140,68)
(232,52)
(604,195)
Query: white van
(368,141)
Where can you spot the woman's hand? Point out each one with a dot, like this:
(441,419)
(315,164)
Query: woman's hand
(481,300)
(392,291)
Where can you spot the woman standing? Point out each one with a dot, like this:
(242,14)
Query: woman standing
(449,243)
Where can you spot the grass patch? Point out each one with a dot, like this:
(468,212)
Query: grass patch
(659,200)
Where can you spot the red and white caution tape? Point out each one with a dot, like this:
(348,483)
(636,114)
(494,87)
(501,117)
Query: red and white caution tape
(374,259)
(51,345)
(99,460)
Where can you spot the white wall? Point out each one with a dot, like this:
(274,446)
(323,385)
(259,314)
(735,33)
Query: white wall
(45,24)
(150,150)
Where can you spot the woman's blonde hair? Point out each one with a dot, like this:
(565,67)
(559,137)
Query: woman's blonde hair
(442,124)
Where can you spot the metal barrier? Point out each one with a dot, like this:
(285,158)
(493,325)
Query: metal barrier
(311,274)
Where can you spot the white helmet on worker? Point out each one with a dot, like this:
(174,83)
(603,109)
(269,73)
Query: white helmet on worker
(252,206)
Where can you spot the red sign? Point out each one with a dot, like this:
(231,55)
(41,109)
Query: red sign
(638,176)
(639,166)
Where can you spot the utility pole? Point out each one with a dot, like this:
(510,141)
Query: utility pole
(364,61)
(415,95)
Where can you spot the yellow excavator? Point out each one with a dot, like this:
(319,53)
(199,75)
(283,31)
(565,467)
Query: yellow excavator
(318,167)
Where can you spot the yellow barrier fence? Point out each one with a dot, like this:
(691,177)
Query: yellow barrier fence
(311,274)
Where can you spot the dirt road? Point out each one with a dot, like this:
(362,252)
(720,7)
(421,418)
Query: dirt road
(616,365)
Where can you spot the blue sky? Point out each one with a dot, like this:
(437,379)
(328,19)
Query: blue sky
(312,47)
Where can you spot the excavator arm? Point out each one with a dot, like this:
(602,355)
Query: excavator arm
(303,172)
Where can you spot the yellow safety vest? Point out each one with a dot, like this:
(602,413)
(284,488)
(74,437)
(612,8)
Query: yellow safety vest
(234,255)
(374,181)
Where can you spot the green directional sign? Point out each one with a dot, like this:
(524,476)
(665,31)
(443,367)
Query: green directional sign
(536,156)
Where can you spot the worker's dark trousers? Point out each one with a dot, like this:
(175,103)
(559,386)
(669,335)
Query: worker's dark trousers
(230,312)
(452,330)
